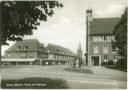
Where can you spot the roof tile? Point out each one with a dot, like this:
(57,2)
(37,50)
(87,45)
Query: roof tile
(103,25)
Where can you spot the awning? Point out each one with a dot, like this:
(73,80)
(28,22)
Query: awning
(18,59)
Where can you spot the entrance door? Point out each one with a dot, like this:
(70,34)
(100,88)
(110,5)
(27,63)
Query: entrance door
(95,60)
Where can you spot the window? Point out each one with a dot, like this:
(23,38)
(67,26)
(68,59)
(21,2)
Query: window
(23,55)
(48,50)
(105,58)
(105,38)
(9,54)
(96,49)
(42,54)
(95,38)
(100,38)
(18,47)
(31,55)
(25,47)
(105,48)
(109,38)
(59,57)
(55,56)
(58,51)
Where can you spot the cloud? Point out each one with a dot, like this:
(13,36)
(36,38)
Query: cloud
(5,47)
(113,10)
(67,26)
(63,25)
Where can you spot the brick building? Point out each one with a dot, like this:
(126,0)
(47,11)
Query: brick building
(60,55)
(99,37)
(32,52)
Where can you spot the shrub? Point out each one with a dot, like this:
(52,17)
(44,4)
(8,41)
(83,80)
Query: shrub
(110,62)
(122,64)
(34,83)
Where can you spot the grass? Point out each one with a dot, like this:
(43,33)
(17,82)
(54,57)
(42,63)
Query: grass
(79,70)
(34,83)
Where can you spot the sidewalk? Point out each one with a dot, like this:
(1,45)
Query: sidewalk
(99,70)
(120,77)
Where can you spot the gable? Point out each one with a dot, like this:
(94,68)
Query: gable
(32,45)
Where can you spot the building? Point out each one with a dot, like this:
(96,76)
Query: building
(99,37)
(79,60)
(79,51)
(24,52)
(60,55)
(32,52)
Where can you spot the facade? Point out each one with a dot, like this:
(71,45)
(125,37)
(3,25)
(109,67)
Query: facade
(32,52)
(60,55)
(99,37)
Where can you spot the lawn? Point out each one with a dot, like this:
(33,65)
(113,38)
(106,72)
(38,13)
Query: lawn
(31,77)
(79,70)
(34,83)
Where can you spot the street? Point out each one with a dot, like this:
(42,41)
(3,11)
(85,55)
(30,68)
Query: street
(101,78)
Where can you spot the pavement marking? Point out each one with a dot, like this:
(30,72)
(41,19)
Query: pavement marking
(92,82)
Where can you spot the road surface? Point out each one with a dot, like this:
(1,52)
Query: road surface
(102,78)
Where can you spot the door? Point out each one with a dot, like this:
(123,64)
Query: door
(95,60)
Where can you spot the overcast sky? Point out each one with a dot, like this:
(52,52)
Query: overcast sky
(67,26)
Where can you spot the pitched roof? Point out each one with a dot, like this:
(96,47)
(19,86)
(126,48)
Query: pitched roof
(32,45)
(35,45)
(59,50)
(103,25)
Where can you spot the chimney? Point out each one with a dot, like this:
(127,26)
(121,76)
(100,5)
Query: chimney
(89,15)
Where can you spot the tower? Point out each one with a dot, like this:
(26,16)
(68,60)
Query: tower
(79,51)
(88,20)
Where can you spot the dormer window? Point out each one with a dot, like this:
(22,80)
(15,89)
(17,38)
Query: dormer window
(48,50)
(9,54)
(58,51)
(18,47)
(25,47)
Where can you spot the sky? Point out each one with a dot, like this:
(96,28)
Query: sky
(67,27)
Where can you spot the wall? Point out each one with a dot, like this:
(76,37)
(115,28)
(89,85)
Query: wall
(100,53)
(20,54)
(42,55)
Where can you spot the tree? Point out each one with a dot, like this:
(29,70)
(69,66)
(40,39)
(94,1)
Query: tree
(20,18)
(120,43)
